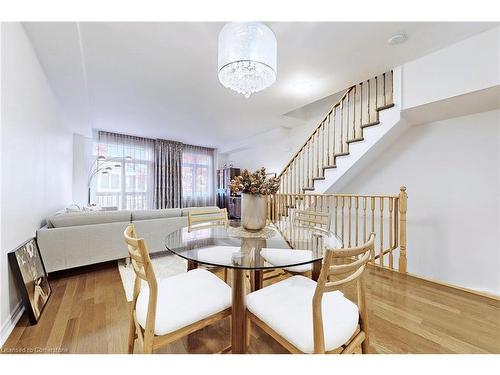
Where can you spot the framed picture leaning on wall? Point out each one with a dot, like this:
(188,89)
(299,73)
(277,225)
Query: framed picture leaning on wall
(31,278)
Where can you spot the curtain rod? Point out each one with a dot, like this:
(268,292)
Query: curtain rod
(104,132)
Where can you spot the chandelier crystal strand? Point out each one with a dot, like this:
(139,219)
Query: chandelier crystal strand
(247,57)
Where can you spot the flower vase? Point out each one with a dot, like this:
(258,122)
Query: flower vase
(253,211)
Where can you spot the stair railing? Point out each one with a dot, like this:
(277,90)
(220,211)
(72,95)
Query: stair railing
(343,124)
(354,217)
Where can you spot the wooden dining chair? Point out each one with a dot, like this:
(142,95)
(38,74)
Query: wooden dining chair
(309,220)
(207,217)
(334,324)
(168,309)
(312,219)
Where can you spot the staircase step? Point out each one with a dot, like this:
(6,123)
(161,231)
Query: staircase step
(318,178)
(329,166)
(308,188)
(341,154)
(370,124)
(355,140)
(385,107)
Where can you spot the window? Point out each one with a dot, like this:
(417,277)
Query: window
(197,176)
(129,182)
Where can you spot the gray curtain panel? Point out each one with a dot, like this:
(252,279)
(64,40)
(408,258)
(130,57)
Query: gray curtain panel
(168,174)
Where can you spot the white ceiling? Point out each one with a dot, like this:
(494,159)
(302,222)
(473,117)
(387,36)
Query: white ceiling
(160,79)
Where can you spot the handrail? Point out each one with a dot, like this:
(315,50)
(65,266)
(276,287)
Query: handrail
(343,124)
(337,104)
(348,195)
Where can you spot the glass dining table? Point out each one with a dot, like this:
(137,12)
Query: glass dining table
(285,246)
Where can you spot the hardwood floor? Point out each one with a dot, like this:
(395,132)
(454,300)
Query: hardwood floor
(88,313)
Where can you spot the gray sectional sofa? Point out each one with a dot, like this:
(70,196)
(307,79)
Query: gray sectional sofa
(74,239)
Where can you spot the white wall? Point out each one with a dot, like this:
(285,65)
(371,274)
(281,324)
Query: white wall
(467,66)
(82,160)
(452,172)
(272,149)
(36,154)
(470,65)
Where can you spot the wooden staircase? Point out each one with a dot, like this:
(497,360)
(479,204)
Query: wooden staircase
(342,126)
(354,216)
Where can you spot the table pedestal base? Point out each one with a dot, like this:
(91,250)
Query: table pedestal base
(256,279)
(239,313)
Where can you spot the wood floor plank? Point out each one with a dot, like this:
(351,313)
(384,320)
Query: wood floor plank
(88,313)
(62,316)
(68,343)
(392,339)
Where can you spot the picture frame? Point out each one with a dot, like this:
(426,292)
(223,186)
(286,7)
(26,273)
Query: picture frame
(31,278)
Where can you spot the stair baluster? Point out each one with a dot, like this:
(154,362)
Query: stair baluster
(340,127)
(384,215)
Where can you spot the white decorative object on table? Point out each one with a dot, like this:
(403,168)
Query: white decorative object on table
(247,57)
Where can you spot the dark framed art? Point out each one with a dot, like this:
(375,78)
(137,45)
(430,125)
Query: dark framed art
(31,278)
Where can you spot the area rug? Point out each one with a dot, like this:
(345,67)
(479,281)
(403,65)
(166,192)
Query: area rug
(164,266)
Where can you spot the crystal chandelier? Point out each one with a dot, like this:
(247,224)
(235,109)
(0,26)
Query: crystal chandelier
(247,57)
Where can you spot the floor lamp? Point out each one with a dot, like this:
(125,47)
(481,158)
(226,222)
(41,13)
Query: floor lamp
(96,167)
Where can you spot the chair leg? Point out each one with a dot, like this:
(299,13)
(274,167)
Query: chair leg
(225,275)
(365,345)
(131,335)
(249,331)
(148,344)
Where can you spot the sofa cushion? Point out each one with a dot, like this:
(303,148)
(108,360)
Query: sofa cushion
(49,219)
(71,219)
(185,210)
(73,208)
(155,214)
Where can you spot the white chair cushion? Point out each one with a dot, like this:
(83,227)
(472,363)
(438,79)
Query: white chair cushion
(300,269)
(286,307)
(184,299)
(218,255)
(285,256)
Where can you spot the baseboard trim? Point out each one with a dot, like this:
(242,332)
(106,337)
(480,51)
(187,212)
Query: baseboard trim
(463,289)
(484,294)
(9,325)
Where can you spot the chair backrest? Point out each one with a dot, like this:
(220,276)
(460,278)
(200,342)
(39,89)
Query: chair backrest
(143,268)
(344,266)
(207,217)
(312,219)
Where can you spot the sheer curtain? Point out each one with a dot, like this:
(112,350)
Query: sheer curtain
(198,176)
(129,183)
(168,171)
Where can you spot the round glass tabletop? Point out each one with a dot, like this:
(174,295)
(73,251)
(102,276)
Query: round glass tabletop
(234,247)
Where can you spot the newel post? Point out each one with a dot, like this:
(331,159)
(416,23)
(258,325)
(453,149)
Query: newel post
(403,200)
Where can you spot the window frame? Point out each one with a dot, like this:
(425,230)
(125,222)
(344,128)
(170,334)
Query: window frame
(121,198)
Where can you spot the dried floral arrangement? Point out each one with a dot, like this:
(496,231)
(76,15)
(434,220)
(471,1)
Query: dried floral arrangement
(254,183)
